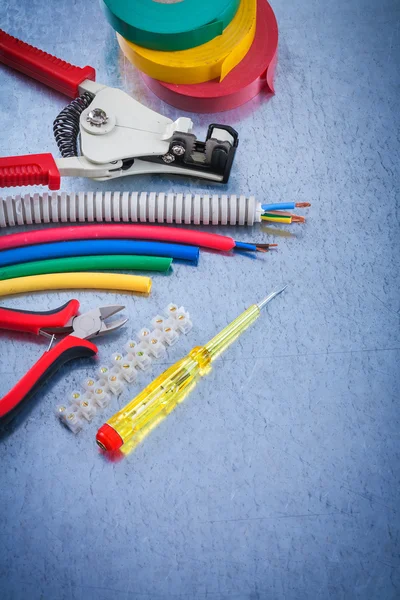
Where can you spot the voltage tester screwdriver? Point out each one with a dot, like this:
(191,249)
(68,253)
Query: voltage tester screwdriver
(162,395)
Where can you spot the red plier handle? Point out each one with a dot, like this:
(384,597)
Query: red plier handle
(38,169)
(13,319)
(50,70)
(69,348)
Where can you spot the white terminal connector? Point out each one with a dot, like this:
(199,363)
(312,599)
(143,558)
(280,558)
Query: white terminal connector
(158,322)
(73,419)
(141,357)
(82,406)
(184,323)
(103,371)
(156,346)
(169,332)
(101,397)
(117,359)
(61,410)
(114,381)
(130,347)
(75,398)
(89,384)
(171,310)
(129,371)
(87,407)
(143,336)
(134,207)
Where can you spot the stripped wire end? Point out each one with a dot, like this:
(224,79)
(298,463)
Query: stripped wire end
(303,204)
(293,218)
(265,247)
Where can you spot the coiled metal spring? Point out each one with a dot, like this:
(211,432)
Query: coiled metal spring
(66,125)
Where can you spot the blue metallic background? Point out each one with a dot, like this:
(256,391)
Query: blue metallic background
(278,478)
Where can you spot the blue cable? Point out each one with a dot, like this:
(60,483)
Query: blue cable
(243,246)
(286,206)
(16,256)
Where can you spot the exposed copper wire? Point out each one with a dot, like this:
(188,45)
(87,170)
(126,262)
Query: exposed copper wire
(265,247)
(295,218)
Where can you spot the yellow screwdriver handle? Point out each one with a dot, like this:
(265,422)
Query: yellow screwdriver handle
(159,398)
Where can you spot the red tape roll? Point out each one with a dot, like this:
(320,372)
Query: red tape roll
(252,75)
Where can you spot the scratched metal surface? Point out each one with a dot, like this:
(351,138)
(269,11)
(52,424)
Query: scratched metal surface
(279,477)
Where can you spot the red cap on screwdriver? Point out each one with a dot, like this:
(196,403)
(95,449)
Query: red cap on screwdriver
(108,439)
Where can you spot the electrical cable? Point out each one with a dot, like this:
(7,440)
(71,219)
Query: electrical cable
(285,206)
(74,281)
(254,247)
(87,263)
(155,233)
(95,247)
(282,217)
(134,207)
(275,218)
(294,218)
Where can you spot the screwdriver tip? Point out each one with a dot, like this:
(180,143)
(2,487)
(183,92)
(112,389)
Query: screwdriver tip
(271,297)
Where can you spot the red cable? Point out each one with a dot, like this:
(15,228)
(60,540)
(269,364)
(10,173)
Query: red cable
(111,231)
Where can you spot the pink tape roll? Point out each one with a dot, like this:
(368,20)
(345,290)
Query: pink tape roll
(252,75)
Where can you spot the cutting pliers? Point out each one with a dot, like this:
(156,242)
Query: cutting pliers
(104,133)
(63,320)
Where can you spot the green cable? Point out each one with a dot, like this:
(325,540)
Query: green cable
(87,263)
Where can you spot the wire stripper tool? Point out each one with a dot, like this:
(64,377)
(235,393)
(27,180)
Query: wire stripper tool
(63,320)
(104,133)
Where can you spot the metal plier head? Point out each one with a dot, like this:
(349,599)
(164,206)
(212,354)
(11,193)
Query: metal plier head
(91,324)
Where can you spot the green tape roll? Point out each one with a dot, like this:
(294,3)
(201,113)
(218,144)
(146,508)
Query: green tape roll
(87,263)
(170,24)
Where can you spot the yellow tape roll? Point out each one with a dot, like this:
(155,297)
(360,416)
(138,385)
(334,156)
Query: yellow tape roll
(73,281)
(196,65)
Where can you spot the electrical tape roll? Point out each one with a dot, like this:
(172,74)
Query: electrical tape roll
(252,75)
(170,24)
(213,60)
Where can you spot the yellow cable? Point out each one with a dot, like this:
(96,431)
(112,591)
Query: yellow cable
(73,281)
(277,219)
(212,60)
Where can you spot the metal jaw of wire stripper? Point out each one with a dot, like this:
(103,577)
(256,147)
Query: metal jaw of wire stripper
(104,133)
(64,320)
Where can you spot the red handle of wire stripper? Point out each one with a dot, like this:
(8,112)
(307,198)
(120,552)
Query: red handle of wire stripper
(68,349)
(32,322)
(31,169)
(50,70)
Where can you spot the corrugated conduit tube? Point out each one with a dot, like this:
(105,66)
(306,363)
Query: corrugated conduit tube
(130,207)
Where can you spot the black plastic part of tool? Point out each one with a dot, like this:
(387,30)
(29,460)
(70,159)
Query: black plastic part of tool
(222,155)
(225,163)
(67,356)
(39,312)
